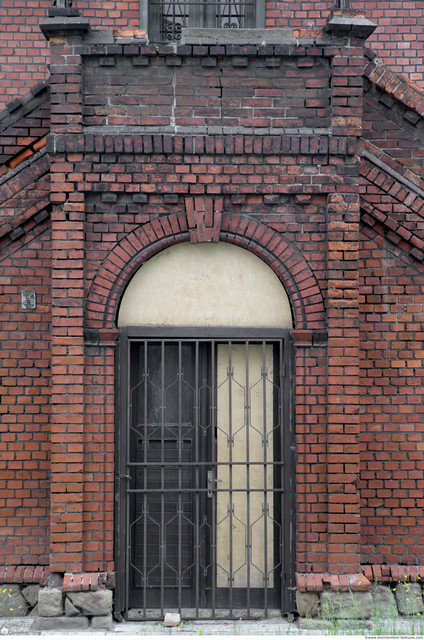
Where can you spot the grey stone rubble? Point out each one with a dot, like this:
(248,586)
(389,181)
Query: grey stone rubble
(92,603)
(307,604)
(70,610)
(345,605)
(385,609)
(12,602)
(409,598)
(384,600)
(50,609)
(30,594)
(50,603)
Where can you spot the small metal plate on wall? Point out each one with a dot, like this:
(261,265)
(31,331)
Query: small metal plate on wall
(28,299)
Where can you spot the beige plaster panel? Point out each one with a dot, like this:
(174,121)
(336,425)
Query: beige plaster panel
(205,285)
(245,433)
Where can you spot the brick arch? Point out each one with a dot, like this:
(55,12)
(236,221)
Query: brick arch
(141,244)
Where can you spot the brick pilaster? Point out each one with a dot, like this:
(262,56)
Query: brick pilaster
(343,379)
(67,318)
(343,319)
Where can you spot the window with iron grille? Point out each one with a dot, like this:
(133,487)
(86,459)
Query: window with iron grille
(166,18)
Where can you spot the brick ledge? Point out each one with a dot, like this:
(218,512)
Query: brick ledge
(23,574)
(359,581)
(86,581)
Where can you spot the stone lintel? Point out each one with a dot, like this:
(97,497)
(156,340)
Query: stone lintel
(349,24)
(63,11)
(64,26)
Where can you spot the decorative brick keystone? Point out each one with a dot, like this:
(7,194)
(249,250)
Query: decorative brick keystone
(204,217)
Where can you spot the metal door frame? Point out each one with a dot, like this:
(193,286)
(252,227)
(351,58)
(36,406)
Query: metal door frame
(122,401)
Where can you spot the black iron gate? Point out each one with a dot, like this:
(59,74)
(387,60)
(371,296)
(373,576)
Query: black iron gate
(205,522)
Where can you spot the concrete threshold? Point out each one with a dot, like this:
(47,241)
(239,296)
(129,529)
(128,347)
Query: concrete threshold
(273,626)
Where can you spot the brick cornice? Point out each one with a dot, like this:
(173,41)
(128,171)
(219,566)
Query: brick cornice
(216,144)
(394,232)
(400,88)
(382,172)
(17,109)
(17,226)
(396,170)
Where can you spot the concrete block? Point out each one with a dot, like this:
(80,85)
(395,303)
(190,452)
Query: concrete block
(60,624)
(102,622)
(314,624)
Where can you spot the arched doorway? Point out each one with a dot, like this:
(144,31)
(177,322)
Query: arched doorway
(204,446)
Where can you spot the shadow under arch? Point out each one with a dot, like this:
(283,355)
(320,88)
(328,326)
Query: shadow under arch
(281,255)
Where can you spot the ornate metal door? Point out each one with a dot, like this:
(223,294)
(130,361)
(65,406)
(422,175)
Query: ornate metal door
(204,504)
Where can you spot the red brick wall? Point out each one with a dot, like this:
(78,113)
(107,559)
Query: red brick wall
(24,137)
(25,400)
(116,197)
(24,52)
(99,462)
(399,39)
(392,414)
(121,181)
(311,454)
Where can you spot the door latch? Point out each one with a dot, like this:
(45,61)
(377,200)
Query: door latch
(210,483)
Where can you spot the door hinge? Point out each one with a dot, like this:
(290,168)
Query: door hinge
(123,477)
(283,370)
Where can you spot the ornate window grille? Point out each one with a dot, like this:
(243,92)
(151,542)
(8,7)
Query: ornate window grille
(166,18)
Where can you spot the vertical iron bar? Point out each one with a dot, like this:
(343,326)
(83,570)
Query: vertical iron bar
(214,456)
(260,15)
(197,514)
(265,508)
(146,445)
(162,495)
(247,422)
(288,492)
(180,444)
(284,451)
(210,20)
(128,434)
(230,473)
